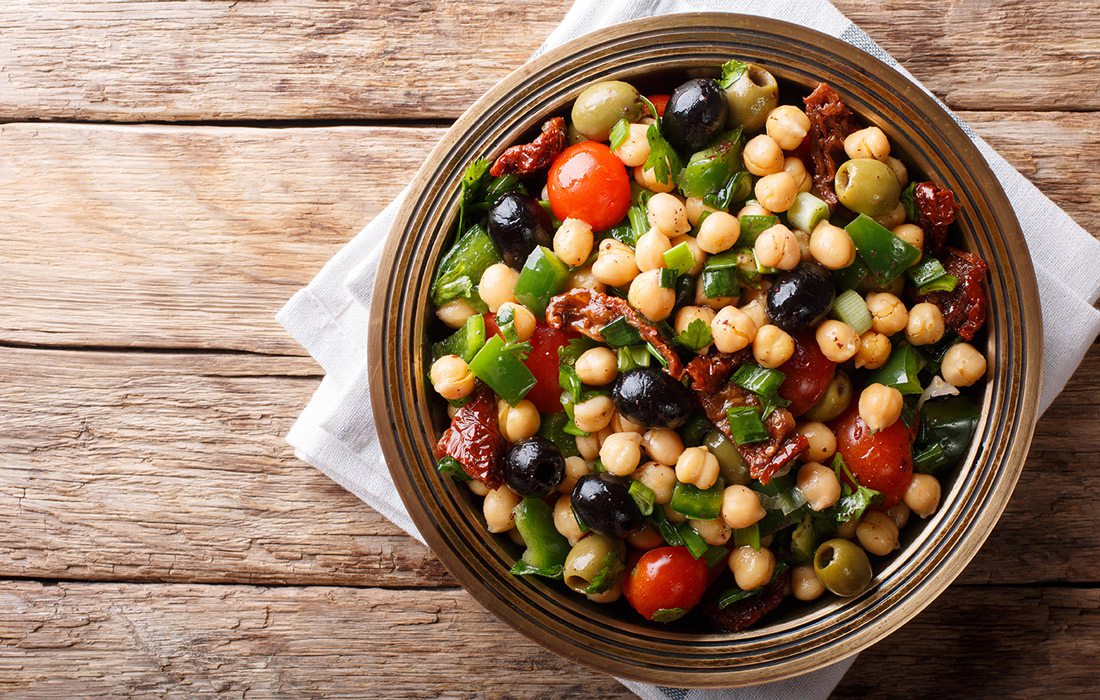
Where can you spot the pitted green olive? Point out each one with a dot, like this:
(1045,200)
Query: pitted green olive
(842,567)
(595,560)
(751,97)
(601,105)
(867,186)
(730,465)
(835,400)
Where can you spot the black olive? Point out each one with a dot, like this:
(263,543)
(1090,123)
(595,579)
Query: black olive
(799,299)
(603,503)
(534,467)
(517,224)
(651,397)
(695,115)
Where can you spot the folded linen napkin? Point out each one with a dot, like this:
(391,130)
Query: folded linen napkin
(329,317)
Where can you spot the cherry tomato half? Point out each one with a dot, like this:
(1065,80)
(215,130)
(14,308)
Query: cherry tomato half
(808,372)
(660,102)
(666,583)
(882,461)
(588,182)
(543,363)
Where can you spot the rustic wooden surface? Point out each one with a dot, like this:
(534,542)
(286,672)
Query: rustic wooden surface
(170,172)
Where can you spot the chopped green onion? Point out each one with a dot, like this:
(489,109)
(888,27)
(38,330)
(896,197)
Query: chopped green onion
(759,380)
(619,133)
(542,276)
(668,278)
(643,496)
(619,333)
(761,268)
(930,459)
(503,184)
(900,371)
(465,342)
(503,370)
(852,276)
(697,503)
(909,201)
(692,540)
(885,254)
(745,425)
(721,282)
(747,536)
(734,594)
(639,223)
(668,530)
(633,357)
(807,212)
(695,430)
(552,428)
(716,555)
(722,261)
(941,284)
(752,225)
(930,269)
(452,467)
(679,258)
(851,308)
(656,354)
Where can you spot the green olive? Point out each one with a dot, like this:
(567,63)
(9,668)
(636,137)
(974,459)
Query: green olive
(834,401)
(751,97)
(596,559)
(867,186)
(601,105)
(573,136)
(731,467)
(842,566)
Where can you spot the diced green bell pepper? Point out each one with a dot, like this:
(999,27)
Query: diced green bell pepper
(949,423)
(546,548)
(752,225)
(900,370)
(697,503)
(460,270)
(502,370)
(465,342)
(885,254)
(709,170)
(542,276)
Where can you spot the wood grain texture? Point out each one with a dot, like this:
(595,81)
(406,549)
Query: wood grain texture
(136,60)
(237,641)
(192,237)
(168,467)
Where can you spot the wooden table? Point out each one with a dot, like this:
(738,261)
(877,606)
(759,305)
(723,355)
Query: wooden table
(171,172)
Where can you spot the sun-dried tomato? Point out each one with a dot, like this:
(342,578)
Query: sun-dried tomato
(711,372)
(587,311)
(528,158)
(748,611)
(936,210)
(474,439)
(964,308)
(830,122)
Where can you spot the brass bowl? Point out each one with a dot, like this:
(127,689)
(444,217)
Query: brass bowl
(609,638)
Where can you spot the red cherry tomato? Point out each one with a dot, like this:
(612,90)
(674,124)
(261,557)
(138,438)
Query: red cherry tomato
(543,363)
(588,182)
(660,102)
(808,372)
(882,461)
(666,583)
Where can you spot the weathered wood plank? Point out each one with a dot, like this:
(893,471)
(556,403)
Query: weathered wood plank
(193,237)
(173,60)
(173,468)
(95,640)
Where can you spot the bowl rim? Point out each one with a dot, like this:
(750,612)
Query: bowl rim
(1011,451)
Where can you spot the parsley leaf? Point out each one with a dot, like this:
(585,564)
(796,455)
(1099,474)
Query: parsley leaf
(663,159)
(619,133)
(473,180)
(852,504)
(696,336)
(731,72)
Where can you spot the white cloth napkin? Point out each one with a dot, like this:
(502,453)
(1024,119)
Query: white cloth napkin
(329,317)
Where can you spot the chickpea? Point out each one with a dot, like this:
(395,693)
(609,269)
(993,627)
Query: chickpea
(867,143)
(762,156)
(832,246)
(963,365)
(575,468)
(696,207)
(666,213)
(793,166)
(805,585)
(847,529)
(911,234)
(788,126)
(673,516)
(573,242)
(621,452)
(622,424)
(645,538)
(772,346)
(648,179)
(714,303)
(752,208)
(925,324)
(663,445)
(609,596)
(777,191)
(923,495)
(877,533)
(714,532)
(588,445)
(899,170)
(698,467)
(565,522)
(634,150)
(838,341)
(584,277)
(757,312)
(649,252)
(718,232)
(888,314)
(498,509)
(594,414)
(751,568)
(518,422)
(732,329)
(821,438)
(899,514)
(455,312)
(660,478)
(741,507)
(597,366)
(778,247)
(477,488)
(688,315)
(819,485)
(497,286)
(880,406)
(522,319)
(893,218)
(648,296)
(615,265)
(874,350)
(451,377)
